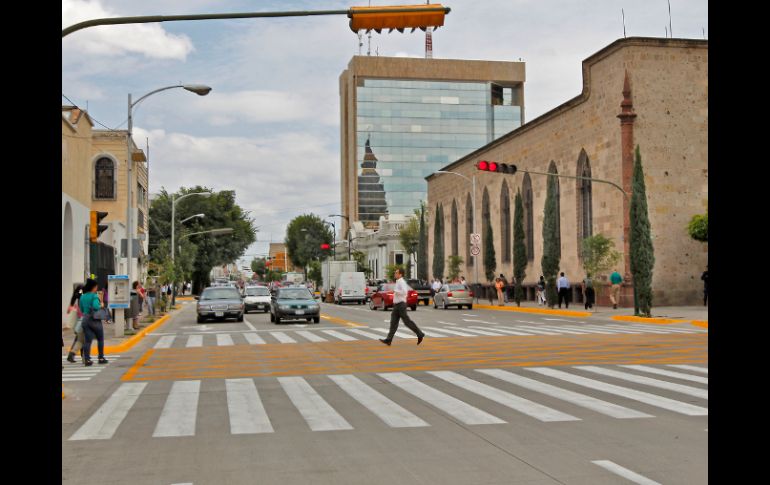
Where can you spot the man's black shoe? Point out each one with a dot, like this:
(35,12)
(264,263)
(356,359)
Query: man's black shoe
(419,339)
(103,360)
(385,341)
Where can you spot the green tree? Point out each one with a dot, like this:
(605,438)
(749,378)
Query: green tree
(598,254)
(390,271)
(698,228)
(271,275)
(550,260)
(519,248)
(438,243)
(409,237)
(422,245)
(314,273)
(360,258)
(304,236)
(454,263)
(490,259)
(640,240)
(259,267)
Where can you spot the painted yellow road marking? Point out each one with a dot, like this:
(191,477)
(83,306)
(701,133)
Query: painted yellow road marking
(341,321)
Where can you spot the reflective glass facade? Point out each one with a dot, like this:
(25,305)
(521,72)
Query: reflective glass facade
(414,128)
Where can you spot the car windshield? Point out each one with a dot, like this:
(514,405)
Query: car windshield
(224,293)
(457,287)
(261,291)
(294,294)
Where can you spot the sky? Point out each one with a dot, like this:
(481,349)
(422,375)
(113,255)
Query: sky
(269,129)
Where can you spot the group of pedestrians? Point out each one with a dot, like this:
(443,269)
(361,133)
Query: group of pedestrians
(89,312)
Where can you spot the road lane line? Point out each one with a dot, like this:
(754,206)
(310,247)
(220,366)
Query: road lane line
(624,472)
(483,332)
(253,338)
(614,329)
(645,397)
(339,335)
(560,329)
(517,403)
(370,335)
(537,330)
(453,332)
(224,339)
(391,413)
(318,414)
(662,372)
(248,324)
(504,330)
(591,330)
(578,399)
(105,421)
(247,414)
(283,338)
(644,329)
(164,342)
(647,381)
(311,336)
(194,341)
(450,405)
(180,411)
(691,367)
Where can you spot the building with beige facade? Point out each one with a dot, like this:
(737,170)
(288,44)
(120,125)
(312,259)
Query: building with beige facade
(648,92)
(403,118)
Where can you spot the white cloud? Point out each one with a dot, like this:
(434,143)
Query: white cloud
(150,40)
(255,107)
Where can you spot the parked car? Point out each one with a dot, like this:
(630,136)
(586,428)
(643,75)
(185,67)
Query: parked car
(383,298)
(351,286)
(220,303)
(423,289)
(294,303)
(453,294)
(256,298)
(371,288)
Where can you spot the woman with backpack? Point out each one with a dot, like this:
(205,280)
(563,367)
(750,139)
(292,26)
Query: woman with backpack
(91,306)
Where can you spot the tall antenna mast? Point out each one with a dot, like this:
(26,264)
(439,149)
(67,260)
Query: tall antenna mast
(624,22)
(369,46)
(360,42)
(428,40)
(670,29)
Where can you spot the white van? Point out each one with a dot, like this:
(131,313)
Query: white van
(351,286)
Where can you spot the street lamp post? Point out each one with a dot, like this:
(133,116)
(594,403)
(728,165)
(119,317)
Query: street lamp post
(348,221)
(195,88)
(334,239)
(173,231)
(473,202)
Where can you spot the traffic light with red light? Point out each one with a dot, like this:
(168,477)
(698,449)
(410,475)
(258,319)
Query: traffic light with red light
(325,246)
(486,166)
(397,17)
(95,229)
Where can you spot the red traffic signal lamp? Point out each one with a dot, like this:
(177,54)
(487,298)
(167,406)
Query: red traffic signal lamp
(486,166)
(95,229)
(325,246)
(398,17)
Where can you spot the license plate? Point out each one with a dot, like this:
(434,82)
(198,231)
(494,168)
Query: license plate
(219,314)
(300,312)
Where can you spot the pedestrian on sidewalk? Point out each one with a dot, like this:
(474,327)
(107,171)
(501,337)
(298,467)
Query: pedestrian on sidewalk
(151,295)
(75,315)
(563,286)
(588,292)
(616,280)
(499,285)
(705,278)
(506,287)
(541,291)
(134,307)
(400,293)
(90,303)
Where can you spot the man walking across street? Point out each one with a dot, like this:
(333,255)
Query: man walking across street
(615,280)
(400,293)
(563,286)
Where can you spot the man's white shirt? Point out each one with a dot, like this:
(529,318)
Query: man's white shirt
(563,283)
(401,291)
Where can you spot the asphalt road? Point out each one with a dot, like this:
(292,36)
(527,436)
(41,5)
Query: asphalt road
(490,397)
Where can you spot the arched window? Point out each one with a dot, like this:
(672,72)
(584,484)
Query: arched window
(455,230)
(552,169)
(505,223)
(104,179)
(529,224)
(584,204)
(468,229)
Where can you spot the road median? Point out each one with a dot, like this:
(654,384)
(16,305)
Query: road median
(544,311)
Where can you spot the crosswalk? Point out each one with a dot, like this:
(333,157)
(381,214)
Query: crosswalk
(398,400)
(351,334)
(78,372)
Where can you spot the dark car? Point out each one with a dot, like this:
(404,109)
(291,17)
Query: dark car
(294,303)
(383,298)
(219,303)
(423,289)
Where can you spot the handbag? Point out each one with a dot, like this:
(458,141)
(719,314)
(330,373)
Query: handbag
(101,314)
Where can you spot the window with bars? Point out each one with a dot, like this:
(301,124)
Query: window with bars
(104,179)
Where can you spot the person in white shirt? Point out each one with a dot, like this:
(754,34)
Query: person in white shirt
(400,293)
(436,286)
(563,286)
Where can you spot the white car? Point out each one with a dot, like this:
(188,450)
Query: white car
(256,298)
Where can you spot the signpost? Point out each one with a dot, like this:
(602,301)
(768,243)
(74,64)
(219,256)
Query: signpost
(475,244)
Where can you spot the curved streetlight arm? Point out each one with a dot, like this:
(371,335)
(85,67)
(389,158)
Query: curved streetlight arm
(198,89)
(579,178)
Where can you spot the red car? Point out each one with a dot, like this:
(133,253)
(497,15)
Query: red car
(383,298)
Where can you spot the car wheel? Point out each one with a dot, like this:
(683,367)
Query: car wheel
(316,319)
(272,317)
(444,305)
(201,319)
(277,319)
(384,307)
(308,319)
(240,318)
(414,308)
(371,305)
(470,307)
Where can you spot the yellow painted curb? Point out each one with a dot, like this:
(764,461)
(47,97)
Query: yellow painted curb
(133,340)
(661,321)
(701,323)
(184,298)
(564,313)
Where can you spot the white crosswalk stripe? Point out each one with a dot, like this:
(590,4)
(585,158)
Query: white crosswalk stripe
(694,368)
(506,330)
(537,330)
(482,332)
(318,414)
(663,372)
(645,397)
(648,381)
(283,338)
(570,331)
(164,342)
(339,335)
(224,339)
(452,332)
(194,341)
(249,409)
(399,333)
(253,338)
(365,333)
(78,373)
(311,336)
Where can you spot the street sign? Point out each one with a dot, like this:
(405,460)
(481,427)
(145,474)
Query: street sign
(475,251)
(117,285)
(475,239)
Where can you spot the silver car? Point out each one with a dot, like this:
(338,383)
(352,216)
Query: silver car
(453,294)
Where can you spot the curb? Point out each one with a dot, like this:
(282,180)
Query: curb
(128,344)
(700,323)
(660,321)
(564,313)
